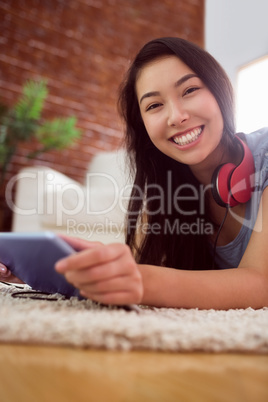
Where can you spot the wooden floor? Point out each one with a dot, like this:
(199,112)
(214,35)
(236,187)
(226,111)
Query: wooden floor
(37,374)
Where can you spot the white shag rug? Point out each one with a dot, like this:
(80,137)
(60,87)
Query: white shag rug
(83,323)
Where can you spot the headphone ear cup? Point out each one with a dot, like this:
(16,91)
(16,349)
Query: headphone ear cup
(221,185)
(242,180)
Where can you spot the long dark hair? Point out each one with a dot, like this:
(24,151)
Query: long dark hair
(161,240)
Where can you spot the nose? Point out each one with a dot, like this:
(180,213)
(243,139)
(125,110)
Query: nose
(177,114)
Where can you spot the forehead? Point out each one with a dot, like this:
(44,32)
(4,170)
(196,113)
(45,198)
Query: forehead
(161,71)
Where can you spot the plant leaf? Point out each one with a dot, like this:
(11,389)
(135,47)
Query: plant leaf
(58,133)
(30,104)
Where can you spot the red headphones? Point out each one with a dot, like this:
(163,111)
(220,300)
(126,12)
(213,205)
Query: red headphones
(231,184)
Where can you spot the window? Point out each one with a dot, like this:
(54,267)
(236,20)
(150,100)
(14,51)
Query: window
(252,96)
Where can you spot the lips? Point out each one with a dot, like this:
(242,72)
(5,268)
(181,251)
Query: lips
(187,137)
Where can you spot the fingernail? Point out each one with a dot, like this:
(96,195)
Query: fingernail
(3,269)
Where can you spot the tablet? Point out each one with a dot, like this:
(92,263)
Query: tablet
(32,256)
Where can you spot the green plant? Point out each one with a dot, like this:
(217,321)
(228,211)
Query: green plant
(23,123)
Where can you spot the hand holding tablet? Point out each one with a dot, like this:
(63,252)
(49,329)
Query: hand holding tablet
(32,256)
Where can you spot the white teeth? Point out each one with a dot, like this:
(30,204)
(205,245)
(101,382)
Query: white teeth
(189,137)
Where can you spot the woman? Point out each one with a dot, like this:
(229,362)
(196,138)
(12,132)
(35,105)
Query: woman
(178,108)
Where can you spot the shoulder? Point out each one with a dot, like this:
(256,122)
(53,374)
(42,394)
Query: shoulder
(258,144)
(258,140)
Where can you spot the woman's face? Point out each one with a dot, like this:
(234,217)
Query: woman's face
(180,114)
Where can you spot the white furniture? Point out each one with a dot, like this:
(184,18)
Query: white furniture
(48,200)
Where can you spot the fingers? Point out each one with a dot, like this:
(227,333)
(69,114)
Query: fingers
(93,275)
(4,272)
(79,244)
(91,257)
(113,291)
(6,275)
(107,274)
(112,273)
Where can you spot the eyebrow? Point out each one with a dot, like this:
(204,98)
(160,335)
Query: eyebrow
(177,84)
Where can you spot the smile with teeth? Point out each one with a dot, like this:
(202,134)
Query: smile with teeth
(189,137)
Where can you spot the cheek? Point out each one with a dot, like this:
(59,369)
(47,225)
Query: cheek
(154,127)
(150,128)
(209,108)
(217,118)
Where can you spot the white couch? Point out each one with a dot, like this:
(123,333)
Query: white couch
(95,210)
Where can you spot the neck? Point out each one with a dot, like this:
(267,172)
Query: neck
(204,170)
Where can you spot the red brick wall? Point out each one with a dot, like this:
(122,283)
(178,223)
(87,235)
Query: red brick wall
(82,48)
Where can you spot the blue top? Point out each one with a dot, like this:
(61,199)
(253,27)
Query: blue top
(229,256)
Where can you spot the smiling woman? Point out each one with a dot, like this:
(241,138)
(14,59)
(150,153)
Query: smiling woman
(197,222)
(177,103)
(180,114)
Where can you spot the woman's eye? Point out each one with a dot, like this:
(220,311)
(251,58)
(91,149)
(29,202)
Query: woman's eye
(190,90)
(153,106)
